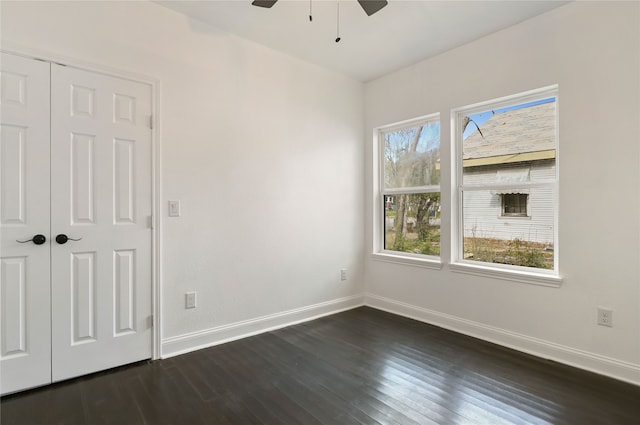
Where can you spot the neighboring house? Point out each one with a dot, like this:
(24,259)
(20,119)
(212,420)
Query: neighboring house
(518,147)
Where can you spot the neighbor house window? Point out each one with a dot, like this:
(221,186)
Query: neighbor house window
(506,169)
(409,188)
(514,204)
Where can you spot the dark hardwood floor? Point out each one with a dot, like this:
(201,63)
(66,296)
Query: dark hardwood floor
(362,366)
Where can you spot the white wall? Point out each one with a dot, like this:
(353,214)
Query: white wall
(264,152)
(592,50)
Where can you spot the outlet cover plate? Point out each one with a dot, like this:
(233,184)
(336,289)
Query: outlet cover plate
(190,300)
(605,317)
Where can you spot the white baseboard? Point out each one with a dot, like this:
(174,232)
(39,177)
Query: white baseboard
(193,341)
(596,363)
(602,365)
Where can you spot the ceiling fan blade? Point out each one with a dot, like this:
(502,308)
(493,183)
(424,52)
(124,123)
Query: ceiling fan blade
(372,6)
(264,3)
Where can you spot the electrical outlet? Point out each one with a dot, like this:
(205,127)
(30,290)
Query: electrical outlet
(343,274)
(605,317)
(190,300)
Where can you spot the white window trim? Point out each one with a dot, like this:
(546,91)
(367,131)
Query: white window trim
(379,192)
(506,272)
(514,217)
(408,258)
(484,269)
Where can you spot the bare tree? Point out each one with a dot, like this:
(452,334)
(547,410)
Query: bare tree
(402,204)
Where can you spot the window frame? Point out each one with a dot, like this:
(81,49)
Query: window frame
(380,193)
(494,270)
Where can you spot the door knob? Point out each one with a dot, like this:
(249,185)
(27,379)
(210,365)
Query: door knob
(37,239)
(62,239)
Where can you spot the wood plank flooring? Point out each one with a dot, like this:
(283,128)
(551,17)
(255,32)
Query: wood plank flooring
(362,366)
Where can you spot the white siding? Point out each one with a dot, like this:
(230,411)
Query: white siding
(482,209)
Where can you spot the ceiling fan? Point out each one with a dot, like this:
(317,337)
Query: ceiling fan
(369,6)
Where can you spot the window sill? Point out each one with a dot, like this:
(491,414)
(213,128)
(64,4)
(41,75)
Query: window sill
(534,278)
(408,259)
(514,217)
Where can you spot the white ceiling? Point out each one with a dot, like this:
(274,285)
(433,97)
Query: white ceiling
(401,34)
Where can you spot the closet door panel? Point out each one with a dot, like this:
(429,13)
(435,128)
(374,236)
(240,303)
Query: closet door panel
(25,343)
(101,191)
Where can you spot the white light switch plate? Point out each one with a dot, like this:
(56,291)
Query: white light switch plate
(190,300)
(174,208)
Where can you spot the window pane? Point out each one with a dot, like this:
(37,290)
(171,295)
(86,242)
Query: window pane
(493,237)
(412,223)
(510,145)
(412,155)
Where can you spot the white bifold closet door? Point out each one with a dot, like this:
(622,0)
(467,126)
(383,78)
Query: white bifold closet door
(80,175)
(25,276)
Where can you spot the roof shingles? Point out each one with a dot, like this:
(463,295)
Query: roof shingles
(529,129)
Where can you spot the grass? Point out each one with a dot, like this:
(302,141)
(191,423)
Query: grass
(515,252)
(411,242)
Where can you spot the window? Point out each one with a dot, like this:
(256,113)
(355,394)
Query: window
(409,188)
(505,157)
(514,204)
